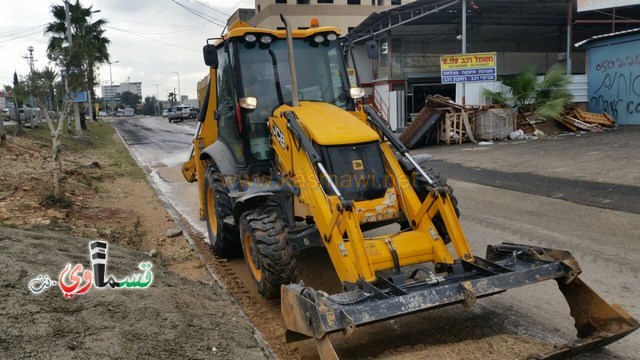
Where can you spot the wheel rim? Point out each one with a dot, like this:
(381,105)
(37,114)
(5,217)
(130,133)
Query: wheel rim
(211,211)
(251,257)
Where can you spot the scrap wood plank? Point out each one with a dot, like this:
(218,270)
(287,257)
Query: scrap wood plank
(525,125)
(420,126)
(451,129)
(567,124)
(582,125)
(593,118)
(612,120)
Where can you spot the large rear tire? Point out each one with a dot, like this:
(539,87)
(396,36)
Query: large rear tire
(265,243)
(224,237)
(422,188)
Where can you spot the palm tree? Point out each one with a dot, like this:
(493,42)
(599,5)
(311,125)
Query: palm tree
(90,46)
(172,97)
(547,97)
(49,76)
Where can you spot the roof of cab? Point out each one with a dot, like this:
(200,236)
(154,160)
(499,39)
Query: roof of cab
(240,28)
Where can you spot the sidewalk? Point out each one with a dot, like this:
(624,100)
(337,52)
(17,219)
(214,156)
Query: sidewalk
(611,156)
(594,169)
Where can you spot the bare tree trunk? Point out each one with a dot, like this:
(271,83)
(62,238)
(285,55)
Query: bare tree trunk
(3,134)
(56,161)
(19,127)
(92,116)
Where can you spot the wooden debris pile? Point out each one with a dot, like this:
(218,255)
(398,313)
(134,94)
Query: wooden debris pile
(442,119)
(583,120)
(527,122)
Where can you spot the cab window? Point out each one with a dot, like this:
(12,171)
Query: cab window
(228,130)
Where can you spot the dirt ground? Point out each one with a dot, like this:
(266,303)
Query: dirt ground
(184,313)
(174,318)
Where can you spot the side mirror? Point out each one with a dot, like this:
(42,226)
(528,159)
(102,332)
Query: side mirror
(372,49)
(210,55)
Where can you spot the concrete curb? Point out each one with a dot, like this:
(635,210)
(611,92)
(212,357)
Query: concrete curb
(181,221)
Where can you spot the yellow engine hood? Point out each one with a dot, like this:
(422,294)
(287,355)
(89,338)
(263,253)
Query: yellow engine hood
(327,124)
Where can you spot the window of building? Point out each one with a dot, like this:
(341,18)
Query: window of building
(281,1)
(302,2)
(325,1)
(396,2)
(353,2)
(258,7)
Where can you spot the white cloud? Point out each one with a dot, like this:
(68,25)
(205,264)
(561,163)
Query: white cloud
(150,39)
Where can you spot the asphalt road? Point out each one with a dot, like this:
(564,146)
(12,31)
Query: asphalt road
(497,206)
(592,193)
(155,140)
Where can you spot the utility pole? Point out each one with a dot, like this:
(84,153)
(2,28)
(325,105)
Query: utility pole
(30,48)
(179,93)
(76,110)
(30,58)
(157,91)
(111,86)
(157,98)
(464,45)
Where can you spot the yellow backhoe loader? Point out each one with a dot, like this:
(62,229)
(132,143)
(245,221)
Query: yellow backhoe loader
(286,159)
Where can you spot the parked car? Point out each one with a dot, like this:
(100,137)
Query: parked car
(193,112)
(102,113)
(165,112)
(178,113)
(125,112)
(9,113)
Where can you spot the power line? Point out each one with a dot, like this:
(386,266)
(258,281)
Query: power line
(209,7)
(15,32)
(148,38)
(165,32)
(147,24)
(200,15)
(20,37)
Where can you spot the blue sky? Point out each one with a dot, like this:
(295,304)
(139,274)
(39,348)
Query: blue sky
(150,39)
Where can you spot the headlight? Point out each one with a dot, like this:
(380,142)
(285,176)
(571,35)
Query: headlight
(250,38)
(332,36)
(356,92)
(266,39)
(318,39)
(249,102)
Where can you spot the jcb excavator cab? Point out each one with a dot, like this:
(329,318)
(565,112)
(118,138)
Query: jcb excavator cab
(253,79)
(285,159)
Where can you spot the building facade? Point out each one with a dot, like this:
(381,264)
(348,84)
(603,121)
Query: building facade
(411,39)
(343,14)
(613,72)
(109,91)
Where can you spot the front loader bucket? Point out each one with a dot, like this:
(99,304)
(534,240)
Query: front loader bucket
(314,314)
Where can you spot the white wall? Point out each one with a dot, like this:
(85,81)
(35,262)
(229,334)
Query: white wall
(577,88)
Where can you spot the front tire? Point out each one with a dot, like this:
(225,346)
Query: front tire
(266,248)
(223,237)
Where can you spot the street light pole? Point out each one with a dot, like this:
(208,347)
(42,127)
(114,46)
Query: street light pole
(179,93)
(157,98)
(76,110)
(30,49)
(111,86)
